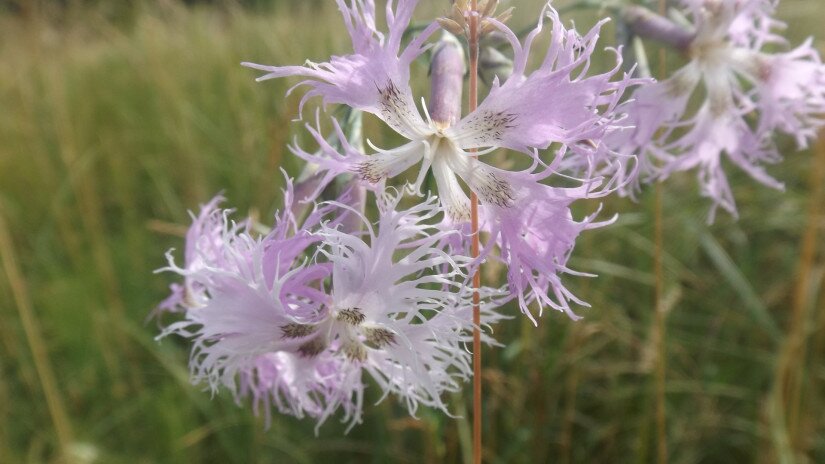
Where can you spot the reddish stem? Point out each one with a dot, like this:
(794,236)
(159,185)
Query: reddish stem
(473,103)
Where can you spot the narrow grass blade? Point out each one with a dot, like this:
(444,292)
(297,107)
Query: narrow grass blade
(728,270)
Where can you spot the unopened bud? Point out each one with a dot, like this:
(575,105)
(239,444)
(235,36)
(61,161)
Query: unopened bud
(495,39)
(450,26)
(487,26)
(488,8)
(457,22)
(649,25)
(492,63)
(447,80)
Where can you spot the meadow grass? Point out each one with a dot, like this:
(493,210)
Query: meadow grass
(111,129)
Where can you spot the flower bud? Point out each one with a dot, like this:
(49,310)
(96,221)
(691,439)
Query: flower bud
(447,79)
(456,22)
(492,63)
(649,25)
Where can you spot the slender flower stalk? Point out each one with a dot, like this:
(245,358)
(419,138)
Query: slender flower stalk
(473,39)
(447,72)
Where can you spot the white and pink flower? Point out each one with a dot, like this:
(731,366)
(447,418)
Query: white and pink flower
(558,104)
(748,95)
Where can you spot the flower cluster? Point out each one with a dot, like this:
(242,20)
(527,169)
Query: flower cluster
(301,316)
(556,104)
(749,94)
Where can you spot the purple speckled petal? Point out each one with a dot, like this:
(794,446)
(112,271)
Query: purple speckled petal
(375,78)
(555,103)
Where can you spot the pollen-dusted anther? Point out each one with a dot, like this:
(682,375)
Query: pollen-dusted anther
(354,351)
(295,330)
(352,316)
(588,143)
(313,347)
(379,337)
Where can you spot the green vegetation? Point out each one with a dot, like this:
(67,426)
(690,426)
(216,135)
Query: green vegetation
(110,130)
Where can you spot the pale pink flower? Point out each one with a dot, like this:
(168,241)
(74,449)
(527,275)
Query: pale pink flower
(557,103)
(203,242)
(403,320)
(254,294)
(295,318)
(749,94)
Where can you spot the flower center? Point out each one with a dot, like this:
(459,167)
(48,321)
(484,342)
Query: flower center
(710,53)
(482,179)
(349,326)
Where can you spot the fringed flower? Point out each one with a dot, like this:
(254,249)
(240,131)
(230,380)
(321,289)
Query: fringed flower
(296,318)
(557,103)
(203,244)
(399,310)
(748,95)
(248,330)
(536,235)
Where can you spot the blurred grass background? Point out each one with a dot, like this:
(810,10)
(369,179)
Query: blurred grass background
(115,118)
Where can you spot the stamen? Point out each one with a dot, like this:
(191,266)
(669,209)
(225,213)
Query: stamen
(379,337)
(352,316)
(313,347)
(295,330)
(426,112)
(378,149)
(354,351)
